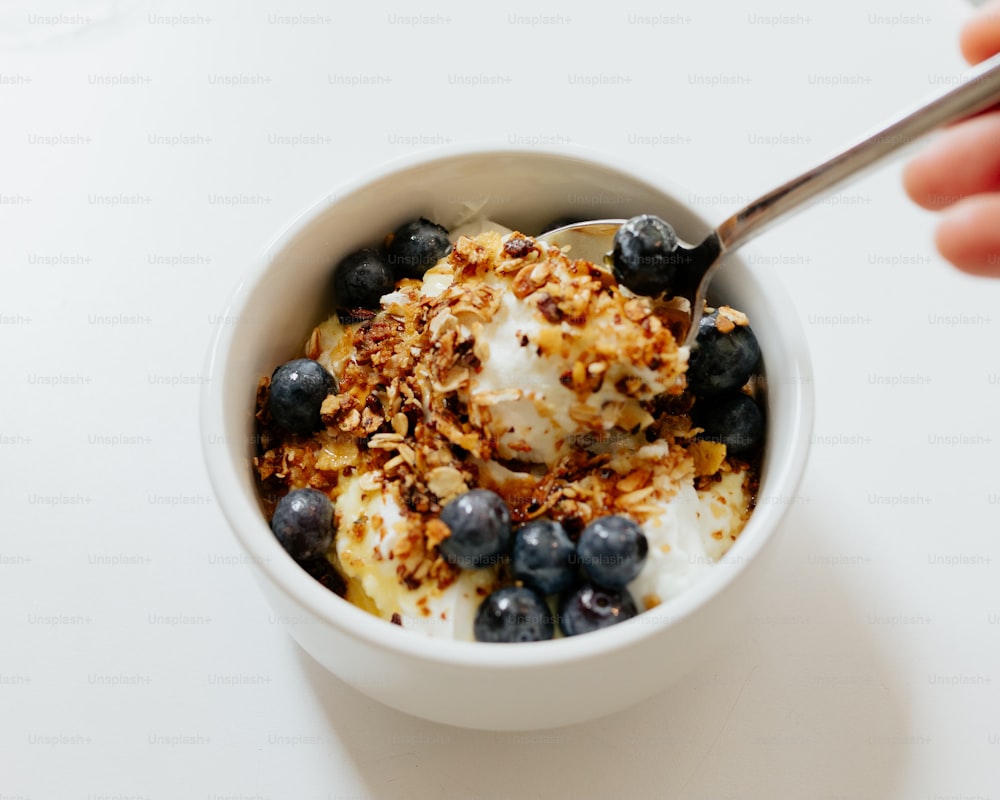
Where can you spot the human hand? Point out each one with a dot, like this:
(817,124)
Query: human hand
(959,173)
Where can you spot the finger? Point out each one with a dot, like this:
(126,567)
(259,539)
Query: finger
(963,161)
(969,235)
(980,37)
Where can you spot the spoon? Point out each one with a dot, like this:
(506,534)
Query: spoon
(594,240)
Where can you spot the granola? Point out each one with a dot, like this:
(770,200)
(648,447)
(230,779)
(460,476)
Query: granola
(510,366)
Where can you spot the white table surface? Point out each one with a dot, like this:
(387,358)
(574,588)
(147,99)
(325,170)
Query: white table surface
(149,152)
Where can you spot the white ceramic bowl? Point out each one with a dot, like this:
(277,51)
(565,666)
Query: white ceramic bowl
(490,686)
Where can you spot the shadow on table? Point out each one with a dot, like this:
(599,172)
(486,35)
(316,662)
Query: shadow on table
(797,707)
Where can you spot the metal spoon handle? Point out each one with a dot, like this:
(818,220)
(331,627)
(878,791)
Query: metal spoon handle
(980,89)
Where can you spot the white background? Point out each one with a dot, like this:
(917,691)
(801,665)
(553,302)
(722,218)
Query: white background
(137,658)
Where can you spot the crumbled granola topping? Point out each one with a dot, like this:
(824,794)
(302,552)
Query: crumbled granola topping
(408,417)
(729,318)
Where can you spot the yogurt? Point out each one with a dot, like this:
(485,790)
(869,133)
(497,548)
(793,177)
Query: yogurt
(514,367)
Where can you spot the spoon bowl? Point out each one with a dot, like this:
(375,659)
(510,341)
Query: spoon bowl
(594,241)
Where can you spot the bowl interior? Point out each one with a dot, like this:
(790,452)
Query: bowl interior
(274,310)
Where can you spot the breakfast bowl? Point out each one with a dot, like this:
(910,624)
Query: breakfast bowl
(493,686)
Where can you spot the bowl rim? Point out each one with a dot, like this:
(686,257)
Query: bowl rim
(272,563)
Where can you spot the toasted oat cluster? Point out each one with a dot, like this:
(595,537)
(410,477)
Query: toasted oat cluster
(509,366)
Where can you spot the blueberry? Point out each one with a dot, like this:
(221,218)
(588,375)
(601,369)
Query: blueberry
(303,524)
(612,551)
(361,279)
(417,246)
(479,521)
(514,614)
(645,256)
(590,608)
(298,389)
(543,556)
(721,361)
(733,419)
(323,571)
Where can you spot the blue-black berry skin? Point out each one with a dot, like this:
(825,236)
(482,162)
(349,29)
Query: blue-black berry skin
(721,361)
(611,551)
(543,556)
(479,521)
(361,279)
(590,608)
(514,614)
(303,524)
(296,394)
(645,257)
(417,246)
(320,568)
(734,419)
